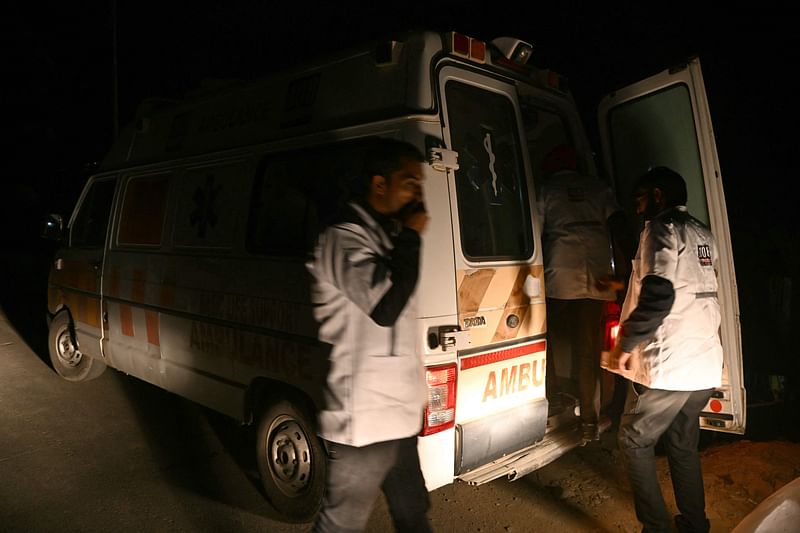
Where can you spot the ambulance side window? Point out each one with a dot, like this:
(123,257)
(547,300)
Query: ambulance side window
(143,209)
(298,193)
(91,222)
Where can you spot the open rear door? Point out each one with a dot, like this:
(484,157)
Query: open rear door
(664,120)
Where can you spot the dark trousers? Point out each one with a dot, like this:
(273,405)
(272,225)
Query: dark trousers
(355,477)
(649,414)
(574,329)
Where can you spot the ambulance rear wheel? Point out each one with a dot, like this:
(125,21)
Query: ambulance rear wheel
(65,355)
(291,460)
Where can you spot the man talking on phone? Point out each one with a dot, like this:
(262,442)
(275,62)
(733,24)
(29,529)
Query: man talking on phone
(365,269)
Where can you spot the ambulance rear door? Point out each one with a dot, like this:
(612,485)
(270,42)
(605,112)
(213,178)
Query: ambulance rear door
(665,120)
(501,405)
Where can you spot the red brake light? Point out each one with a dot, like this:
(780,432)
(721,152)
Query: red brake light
(440,413)
(611,324)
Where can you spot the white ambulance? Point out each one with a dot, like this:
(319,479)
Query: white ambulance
(183,262)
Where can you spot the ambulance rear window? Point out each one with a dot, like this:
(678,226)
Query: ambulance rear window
(493,205)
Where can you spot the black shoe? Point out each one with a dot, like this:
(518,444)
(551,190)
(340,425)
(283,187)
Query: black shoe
(589,433)
(684,526)
(559,402)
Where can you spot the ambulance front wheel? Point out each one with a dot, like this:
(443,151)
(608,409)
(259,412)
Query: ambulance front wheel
(291,460)
(65,354)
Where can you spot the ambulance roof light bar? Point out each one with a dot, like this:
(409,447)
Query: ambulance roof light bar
(514,50)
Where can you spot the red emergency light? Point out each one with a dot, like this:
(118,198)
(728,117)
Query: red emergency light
(460,44)
(556,81)
(467,47)
(477,50)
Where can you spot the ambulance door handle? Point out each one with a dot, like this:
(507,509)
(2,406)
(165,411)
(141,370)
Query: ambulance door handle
(442,159)
(95,265)
(452,337)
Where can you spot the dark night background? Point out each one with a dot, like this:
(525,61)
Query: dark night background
(58,105)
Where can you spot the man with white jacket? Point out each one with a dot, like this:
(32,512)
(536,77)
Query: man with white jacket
(669,348)
(365,271)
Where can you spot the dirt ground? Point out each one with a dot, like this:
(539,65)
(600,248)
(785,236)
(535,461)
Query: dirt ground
(587,491)
(738,475)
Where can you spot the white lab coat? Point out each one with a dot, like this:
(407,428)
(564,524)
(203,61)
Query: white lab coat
(376,387)
(685,352)
(577,252)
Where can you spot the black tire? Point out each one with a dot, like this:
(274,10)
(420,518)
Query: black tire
(65,355)
(291,460)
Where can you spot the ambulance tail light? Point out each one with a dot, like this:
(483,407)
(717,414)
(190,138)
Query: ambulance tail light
(440,413)
(611,324)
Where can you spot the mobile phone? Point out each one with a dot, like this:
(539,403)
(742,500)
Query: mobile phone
(410,209)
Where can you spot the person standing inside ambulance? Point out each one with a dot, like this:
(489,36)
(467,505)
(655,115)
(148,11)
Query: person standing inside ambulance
(365,269)
(579,214)
(669,348)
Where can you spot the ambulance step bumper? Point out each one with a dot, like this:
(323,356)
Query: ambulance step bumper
(525,461)
(489,439)
(564,434)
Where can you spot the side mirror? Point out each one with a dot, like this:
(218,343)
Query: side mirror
(53,227)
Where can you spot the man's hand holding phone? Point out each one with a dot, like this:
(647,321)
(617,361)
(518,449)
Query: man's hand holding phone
(414,216)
